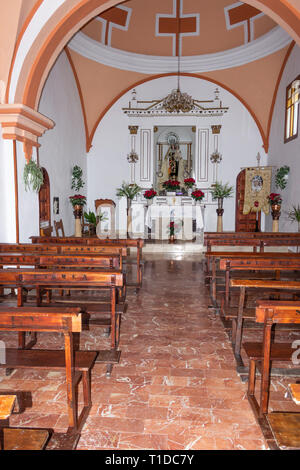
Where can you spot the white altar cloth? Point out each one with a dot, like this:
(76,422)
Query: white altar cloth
(158,218)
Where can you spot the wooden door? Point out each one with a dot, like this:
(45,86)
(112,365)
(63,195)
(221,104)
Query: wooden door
(243,223)
(44,202)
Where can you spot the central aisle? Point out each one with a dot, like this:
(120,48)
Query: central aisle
(176,386)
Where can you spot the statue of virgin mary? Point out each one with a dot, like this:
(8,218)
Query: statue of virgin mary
(172,168)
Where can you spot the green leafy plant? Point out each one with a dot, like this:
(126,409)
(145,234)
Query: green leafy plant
(128,190)
(92,219)
(33,176)
(77,182)
(281,177)
(221,191)
(294,214)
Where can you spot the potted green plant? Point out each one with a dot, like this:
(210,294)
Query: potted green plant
(281,177)
(220,192)
(294,215)
(33,176)
(128,190)
(77,182)
(93,220)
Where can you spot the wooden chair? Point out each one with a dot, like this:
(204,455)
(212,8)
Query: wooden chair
(46,231)
(77,364)
(59,226)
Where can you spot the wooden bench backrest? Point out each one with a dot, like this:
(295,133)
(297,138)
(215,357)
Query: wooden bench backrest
(96,260)
(62,249)
(265,284)
(41,319)
(64,277)
(262,264)
(91,241)
(250,255)
(26,248)
(278,311)
(72,249)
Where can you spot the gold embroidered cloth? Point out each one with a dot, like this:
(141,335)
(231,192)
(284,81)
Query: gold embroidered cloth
(257,189)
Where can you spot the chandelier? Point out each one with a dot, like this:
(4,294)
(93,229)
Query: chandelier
(176,101)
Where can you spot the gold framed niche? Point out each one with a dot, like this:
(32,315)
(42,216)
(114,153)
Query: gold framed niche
(173,143)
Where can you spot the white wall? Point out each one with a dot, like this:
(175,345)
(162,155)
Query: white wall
(64,146)
(7,193)
(239,142)
(286,154)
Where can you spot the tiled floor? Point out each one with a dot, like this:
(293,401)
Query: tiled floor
(175,387)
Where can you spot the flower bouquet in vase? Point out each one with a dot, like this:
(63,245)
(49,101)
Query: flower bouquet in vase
(189,184)
(171,186)
(78,201)
(275,200)
(172,232)
(149,195)
(198,195)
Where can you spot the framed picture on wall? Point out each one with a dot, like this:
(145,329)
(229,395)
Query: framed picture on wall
(56,205)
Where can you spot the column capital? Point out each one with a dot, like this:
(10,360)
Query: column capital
(19,122)
(216,129)
(133,129)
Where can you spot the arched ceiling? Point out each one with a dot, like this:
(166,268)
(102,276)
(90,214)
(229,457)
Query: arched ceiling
(149,30)
(229,43)
(166,27)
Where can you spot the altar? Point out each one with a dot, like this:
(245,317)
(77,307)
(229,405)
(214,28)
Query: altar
(187,215)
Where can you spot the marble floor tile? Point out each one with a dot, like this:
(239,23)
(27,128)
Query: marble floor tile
(176,386)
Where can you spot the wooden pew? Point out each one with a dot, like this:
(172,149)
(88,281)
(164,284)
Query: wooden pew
(285,426)
(262,262)
(95,241)
(77,364)
(237,316)
(243,261)
(67,279)
(251,239)
(295,392)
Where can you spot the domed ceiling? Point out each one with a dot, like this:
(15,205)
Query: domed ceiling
(191,27)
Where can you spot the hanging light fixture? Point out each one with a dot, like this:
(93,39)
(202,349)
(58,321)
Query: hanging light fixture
(177,101)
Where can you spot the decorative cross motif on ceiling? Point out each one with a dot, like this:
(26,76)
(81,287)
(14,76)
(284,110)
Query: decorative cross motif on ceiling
(116,17)
(177,25)
(241,14)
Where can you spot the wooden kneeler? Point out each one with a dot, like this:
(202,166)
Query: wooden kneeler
(283,428)
(77,364)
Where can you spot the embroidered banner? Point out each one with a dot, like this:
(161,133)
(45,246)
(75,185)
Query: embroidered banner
(257,188)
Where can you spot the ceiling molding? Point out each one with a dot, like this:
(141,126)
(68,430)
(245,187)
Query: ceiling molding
(271,42)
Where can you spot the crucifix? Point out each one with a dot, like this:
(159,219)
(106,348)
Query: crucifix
(258,158)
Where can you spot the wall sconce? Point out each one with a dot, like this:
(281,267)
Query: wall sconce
(216,157)
(132,157)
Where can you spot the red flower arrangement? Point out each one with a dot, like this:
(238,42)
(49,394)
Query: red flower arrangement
(172,228)
(189,182)
(150,194)
(171,185)
(77,200)
(274,198)
(198,195)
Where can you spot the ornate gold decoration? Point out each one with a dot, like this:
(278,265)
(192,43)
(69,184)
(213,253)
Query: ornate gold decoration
(257,188)
(133,130)
(216,129)
(194,129)
(155,129)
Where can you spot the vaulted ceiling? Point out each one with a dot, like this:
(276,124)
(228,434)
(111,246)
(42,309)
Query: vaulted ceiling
(230,43)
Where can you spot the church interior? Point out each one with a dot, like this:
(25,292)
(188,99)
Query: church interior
(150,225)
